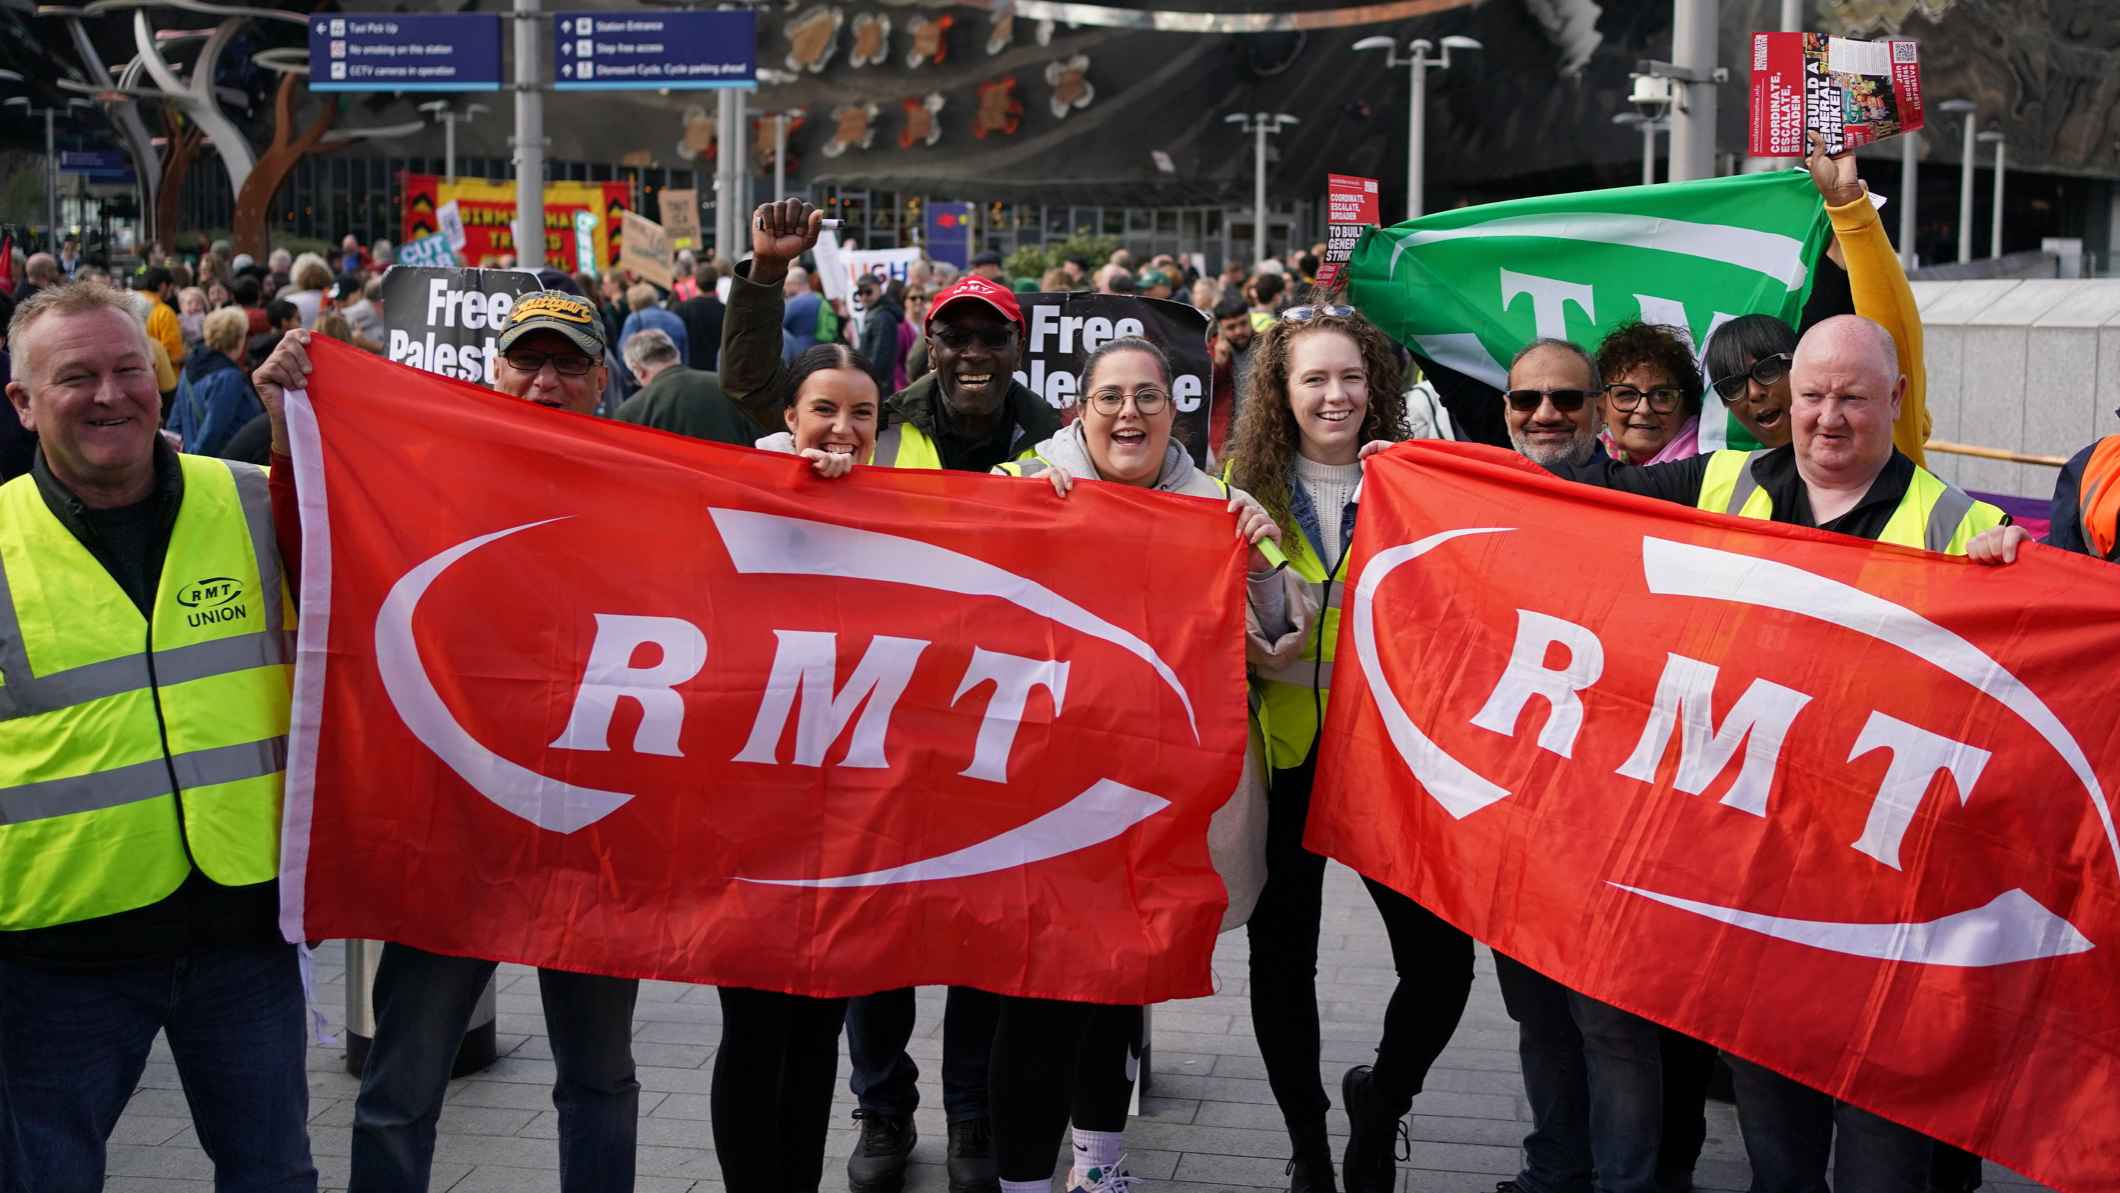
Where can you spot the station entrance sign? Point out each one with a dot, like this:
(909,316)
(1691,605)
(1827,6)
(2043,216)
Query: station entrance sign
(618,50)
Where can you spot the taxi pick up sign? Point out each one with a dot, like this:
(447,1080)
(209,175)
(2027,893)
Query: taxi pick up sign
(1066,328)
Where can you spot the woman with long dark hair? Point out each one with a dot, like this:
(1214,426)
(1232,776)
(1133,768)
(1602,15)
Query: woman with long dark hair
(1324,393)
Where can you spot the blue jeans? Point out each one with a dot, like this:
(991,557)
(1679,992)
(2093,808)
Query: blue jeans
(1789,1135)
(1594,1076)
(72,1047)
(423,1003)
(885,1078)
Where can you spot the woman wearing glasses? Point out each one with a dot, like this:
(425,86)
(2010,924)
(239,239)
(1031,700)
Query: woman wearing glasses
(1055,1061)
(1652,394)
(1324,393)
(1748,359)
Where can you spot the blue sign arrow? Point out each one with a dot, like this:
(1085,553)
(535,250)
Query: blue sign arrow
(621,50)
(405,52)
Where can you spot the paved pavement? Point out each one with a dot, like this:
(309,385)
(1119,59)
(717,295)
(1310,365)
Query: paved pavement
(1208,1122)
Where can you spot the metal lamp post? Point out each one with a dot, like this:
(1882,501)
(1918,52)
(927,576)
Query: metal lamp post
(1258,125)
(449,118)
(1963,108)
(2000,141)
(1650,126)
(1909,188)
(1417,110)
(51,156)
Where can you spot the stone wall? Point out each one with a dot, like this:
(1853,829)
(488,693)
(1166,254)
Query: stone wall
(2029,366)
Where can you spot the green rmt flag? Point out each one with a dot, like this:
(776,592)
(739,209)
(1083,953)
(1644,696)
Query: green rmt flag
(1467,288)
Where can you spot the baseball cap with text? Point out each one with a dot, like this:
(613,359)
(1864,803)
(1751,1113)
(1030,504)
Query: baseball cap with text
(550,310)
(973,288)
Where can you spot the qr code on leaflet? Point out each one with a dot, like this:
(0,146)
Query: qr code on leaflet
(1903,51)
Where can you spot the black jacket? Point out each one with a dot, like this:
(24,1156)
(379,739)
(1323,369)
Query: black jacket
(1681,480)
(879,341)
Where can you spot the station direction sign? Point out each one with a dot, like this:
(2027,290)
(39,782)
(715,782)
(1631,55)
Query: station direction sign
(618,50)
(405,52)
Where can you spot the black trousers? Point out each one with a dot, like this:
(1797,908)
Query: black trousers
(1056,1062)
(1689,1065)
(772,1092)
(1433,960)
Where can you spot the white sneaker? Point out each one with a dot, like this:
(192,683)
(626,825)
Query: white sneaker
(1109,1179)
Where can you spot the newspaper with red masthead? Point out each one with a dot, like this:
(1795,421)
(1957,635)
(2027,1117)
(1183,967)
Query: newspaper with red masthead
(1350,206)
(1852,92)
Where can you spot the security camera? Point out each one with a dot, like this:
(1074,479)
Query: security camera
(1651,96)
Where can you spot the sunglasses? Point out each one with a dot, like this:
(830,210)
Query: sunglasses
(1305,314)
(1767,370)
(1662,400)
(957,339)
(1566,401)
(569,364)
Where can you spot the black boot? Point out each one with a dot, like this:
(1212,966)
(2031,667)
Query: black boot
(1310,1169)
(973,1168)
(878,1162)
(1373,1128)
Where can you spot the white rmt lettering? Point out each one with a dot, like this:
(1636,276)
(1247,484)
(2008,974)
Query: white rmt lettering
(1917,755)
(1013,677)
(1685,697)
(611,677)
(809,661)
(1527,675)
(1549,301)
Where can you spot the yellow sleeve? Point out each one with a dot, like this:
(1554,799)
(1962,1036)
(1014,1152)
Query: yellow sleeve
(162,325)
(165,375)
(1881,293)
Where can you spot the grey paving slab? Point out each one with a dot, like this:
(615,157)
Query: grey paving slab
(1208,1120)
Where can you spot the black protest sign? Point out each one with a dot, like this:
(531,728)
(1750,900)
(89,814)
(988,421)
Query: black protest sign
(449,321)
(1066,328)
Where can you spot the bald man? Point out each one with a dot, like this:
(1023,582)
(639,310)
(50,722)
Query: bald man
(1839,472)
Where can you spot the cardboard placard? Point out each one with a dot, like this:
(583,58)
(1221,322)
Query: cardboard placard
(644,249)
(1350,206)
(680,218)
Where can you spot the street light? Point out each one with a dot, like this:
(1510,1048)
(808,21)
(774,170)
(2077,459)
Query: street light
(449,118)
(1417,109)
(1259,125)
(1650,126)
(51,156)
(1999,140)
(1909,188)
(1964,108)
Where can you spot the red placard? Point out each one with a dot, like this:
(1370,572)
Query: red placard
(1851,92)
(1350,206)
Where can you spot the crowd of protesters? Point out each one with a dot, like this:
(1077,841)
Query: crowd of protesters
(121,920)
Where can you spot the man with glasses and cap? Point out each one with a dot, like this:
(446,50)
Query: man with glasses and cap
(967,415)
(552,355)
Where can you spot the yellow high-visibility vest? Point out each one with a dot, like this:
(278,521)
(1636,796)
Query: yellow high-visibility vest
(1290,700)
(907,446)
(133,748)
(1934,515)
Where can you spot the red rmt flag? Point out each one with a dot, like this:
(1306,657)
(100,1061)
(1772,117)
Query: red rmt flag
(582,694)
(1840,808)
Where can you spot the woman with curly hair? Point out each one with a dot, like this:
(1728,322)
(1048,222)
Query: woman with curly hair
(1324,394)
(1652,394)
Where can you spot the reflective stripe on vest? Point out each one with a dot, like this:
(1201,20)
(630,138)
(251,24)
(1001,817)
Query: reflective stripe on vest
(905,446)
(2098,499)
(1933,515)
(131,748)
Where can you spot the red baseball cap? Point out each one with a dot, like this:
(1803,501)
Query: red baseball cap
(973,288)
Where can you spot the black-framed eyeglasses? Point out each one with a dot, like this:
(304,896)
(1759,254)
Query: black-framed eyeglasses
(1564,400)
(1662,400)
(957,339)
(1112,401)
(568,364)
(1767,370)
(1305,314)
